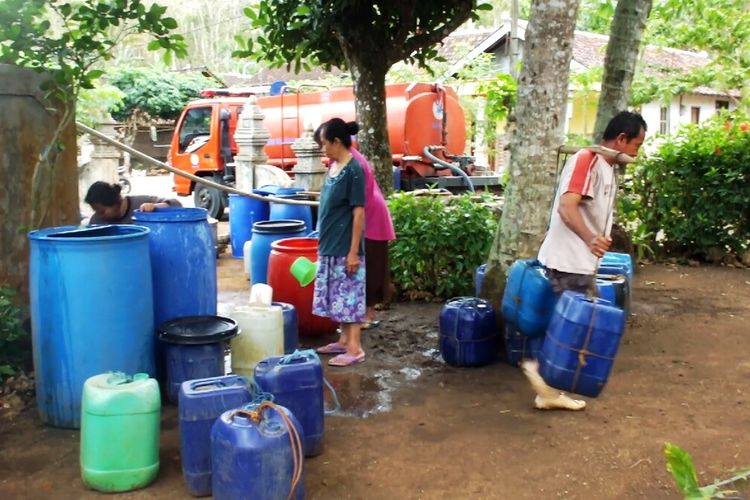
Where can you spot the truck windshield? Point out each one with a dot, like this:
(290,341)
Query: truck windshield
(196,128)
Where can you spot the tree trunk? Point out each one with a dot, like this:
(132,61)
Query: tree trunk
(369,103)
(540,119)
(625,34)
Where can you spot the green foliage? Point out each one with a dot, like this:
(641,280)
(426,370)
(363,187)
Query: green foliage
(70,38)
(159,94)
(440,243)
(501,95)
(95,105)
(695,190)
(14,346)
(334,33)
(680,465)
(719,27)
(595,15)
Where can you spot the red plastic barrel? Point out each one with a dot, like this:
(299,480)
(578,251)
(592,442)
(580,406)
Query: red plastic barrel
(287,289)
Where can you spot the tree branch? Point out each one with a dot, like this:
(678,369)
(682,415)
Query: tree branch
(463,11)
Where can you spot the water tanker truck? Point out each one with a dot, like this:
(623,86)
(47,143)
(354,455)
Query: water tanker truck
(426,129)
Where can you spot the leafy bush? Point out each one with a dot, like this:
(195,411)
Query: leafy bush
(693,194)
(440,243)
(159,94)
(14,347)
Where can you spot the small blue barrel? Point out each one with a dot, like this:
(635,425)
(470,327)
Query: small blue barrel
(619,259)
(581,343)
(615,289)
(194,349)
(243,213)
(252,456)
(201,402)
(183,259)
(468,332)
(285,211)
(396,178)
(528,300)
(291,329)
(91,311)
(479,278)
(296,382)
(265,233)
(519,346)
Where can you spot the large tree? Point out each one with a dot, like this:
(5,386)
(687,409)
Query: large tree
(539,120)
(365,37)
(626,32)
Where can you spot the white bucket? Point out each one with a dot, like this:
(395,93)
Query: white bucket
(261,295)
(262,335)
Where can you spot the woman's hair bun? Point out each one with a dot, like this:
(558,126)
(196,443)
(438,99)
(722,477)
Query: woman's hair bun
(352,128)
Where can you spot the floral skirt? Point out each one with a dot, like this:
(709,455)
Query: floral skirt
(339,295)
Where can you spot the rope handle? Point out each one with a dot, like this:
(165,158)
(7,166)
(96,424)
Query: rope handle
(298,455)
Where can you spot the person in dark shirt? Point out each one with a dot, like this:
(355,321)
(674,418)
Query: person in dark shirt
(340,283)
(110,207)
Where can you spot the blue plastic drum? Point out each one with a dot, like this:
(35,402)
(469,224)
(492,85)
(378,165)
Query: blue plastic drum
(243,213)
(91,311)
(265,233)
(183,259)
(284,211)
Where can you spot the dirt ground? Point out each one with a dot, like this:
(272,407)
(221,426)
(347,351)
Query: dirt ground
(412,427)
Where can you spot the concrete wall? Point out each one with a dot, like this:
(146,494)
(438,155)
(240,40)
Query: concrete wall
(25,132)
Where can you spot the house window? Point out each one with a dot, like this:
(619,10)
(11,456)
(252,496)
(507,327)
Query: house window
(695,114)
(722,105)
(663,120)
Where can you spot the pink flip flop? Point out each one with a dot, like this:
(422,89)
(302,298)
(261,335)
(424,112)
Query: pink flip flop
(346,360)
(332,348)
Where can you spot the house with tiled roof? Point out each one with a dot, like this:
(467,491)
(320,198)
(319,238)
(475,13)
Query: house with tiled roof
(589,50)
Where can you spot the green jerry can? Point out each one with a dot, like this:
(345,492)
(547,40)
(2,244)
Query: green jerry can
(120,418)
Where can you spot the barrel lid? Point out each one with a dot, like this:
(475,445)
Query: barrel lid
(278,226)
(82,234)
(172,214)
(193,330)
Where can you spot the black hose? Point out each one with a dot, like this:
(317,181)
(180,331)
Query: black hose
(445,164)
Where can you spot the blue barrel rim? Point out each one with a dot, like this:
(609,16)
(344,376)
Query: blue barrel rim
(278,226)
(130,231)
(172,214)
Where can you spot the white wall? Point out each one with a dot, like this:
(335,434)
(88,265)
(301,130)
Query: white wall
(680,111)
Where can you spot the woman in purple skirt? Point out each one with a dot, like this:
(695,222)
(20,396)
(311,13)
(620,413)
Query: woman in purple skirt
(340,282)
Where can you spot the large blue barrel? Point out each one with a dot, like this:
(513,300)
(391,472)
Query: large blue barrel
(285,211)
(201,403)
(243,213)
(254,459)
(519,346)
(183,259)
(291,328)
(468,332)
(479,279)
(296,382)
(528,300)
(91,311)
(265,233)
(581,343)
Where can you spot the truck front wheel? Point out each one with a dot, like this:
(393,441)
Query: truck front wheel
(210,199)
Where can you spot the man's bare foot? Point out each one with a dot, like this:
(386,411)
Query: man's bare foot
(548,398)
(561,402)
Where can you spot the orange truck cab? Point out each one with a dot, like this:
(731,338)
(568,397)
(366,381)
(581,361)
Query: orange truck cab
(426,129)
